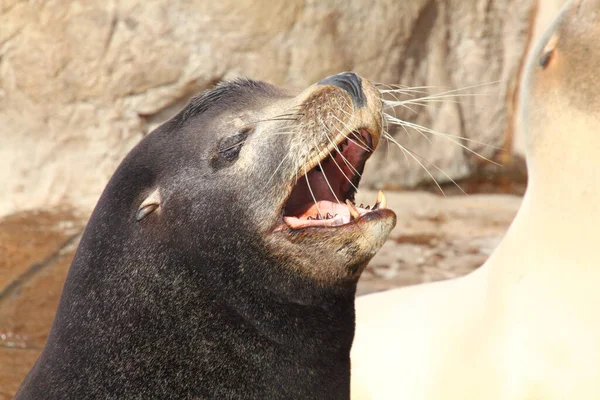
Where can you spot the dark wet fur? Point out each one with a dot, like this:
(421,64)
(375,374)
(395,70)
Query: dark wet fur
(189,303)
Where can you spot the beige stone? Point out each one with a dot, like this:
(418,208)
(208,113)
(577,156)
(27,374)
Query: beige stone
(82,82)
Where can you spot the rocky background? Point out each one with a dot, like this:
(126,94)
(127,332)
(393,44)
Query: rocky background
(81,82)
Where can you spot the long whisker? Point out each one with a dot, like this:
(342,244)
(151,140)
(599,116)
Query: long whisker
(348,163)
(404,149)
(384,122)
(442,97)
(288,116)
(397,121)
(426,101)
(277,119)
(368,149)
(449,137)
(311,191)
(405,88)
(325,176)
(337,165)
(414,157)
(277,169)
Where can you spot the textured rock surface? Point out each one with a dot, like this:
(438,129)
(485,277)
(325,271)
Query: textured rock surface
(436,238)
(82,82)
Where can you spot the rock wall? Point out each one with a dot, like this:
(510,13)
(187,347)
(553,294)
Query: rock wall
(81,82)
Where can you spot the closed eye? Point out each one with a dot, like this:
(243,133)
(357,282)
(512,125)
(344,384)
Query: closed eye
(230,147)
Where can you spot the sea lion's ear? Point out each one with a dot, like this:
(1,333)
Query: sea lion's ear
(148,206)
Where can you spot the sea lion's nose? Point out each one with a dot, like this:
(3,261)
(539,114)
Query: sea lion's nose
(351,83)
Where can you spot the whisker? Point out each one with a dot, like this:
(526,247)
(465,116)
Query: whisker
(442,97)
(347,137)
(369,149)
(344,159)
(448,136)
(325,176)
(405,106)
(404,149)
(383,119)
(348,163)
(425,101)
(401,88)
(361,140)
(277,119)
(404,88)
(439,169)
(337,165)
(277,169)
(311,191)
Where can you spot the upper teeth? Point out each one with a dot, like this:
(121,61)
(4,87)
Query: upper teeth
(381,201)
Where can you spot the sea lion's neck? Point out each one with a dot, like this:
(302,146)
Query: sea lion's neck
(283,348)
(556,230)
(559,220)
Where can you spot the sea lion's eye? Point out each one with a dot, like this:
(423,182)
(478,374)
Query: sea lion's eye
(546,57)
(230,147)
(548,52)
(149,205)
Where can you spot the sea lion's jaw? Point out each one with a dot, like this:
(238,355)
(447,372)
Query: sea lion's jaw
(339,129)
(340,119)
(323,197)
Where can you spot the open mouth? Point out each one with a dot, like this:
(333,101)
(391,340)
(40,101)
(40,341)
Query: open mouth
(324,194)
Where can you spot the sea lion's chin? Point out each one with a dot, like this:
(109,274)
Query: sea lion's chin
(334,254)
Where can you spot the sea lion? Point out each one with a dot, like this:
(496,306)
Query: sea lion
(222,258)
(526,324)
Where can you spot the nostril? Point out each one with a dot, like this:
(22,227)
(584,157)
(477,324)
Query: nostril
(351,83)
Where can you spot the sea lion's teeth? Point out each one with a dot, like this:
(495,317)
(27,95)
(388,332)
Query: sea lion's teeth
(353,211)
(319,216)
(368,207)
(381,201)
(329,216)
(310,218)
(361,205)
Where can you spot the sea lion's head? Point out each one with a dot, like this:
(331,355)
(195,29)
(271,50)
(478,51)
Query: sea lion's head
(222,257)
(560,91)
(279,168)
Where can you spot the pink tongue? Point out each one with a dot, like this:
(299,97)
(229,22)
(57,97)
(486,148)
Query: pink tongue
(325,207)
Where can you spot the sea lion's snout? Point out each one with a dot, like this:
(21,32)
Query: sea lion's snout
(336,127)
(351,83)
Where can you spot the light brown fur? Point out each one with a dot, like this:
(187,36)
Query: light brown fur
(525,325)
